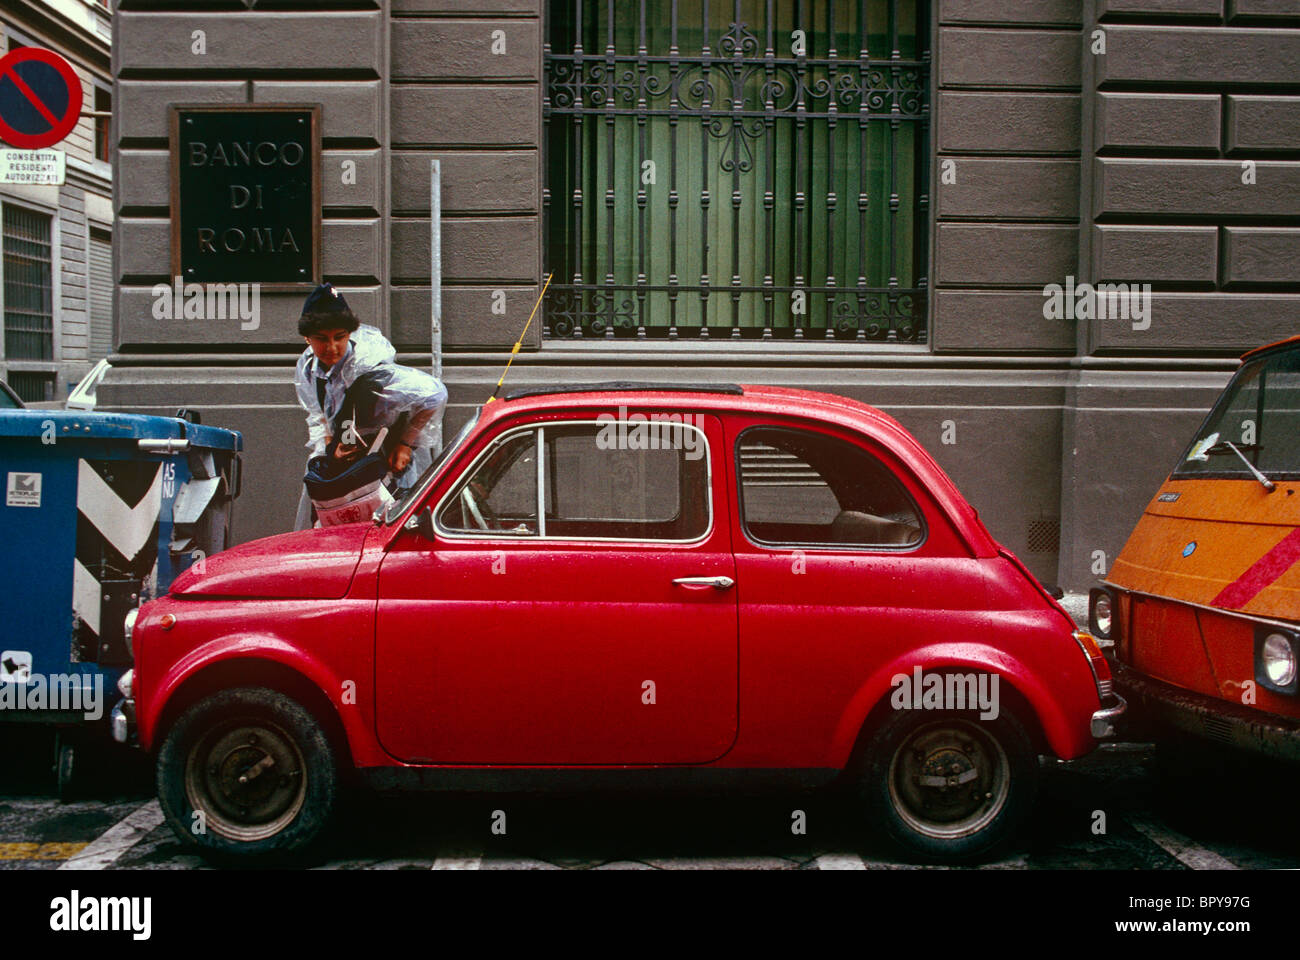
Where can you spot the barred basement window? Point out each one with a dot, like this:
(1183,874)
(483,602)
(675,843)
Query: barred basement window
(740,169)
(28,285)
(32,387)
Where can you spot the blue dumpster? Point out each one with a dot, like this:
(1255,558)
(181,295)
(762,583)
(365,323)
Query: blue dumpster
(102,511)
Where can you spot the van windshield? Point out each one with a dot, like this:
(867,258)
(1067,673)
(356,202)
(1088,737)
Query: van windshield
(1258,415)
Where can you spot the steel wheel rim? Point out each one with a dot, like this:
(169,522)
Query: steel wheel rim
(270,795)
(974,766)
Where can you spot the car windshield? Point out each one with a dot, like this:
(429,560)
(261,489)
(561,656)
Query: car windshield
(398,506)
(1255,422)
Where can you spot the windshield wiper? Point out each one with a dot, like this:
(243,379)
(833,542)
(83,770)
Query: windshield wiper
(1269,485)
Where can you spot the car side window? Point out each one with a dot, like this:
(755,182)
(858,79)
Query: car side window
(500,495)
(598,486)
(802,488)
(597,483)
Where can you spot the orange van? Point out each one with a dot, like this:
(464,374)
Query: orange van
(1203,604)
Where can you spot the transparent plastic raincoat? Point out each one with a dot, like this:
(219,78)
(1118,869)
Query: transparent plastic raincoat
(394,393)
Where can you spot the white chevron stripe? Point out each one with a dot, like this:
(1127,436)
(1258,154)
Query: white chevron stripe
(85,596)
(126,528)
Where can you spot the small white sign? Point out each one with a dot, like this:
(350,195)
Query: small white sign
(23,490)
(35,167)
(15,666)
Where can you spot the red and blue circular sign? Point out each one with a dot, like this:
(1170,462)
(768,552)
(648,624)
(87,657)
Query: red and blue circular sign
(40,98)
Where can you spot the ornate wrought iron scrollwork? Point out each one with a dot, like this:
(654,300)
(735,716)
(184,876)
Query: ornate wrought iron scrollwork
(740,113)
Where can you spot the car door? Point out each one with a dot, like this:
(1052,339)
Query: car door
(601,629)
(843,565)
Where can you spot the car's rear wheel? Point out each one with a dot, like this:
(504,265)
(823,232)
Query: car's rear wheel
(248,773)
(949,786)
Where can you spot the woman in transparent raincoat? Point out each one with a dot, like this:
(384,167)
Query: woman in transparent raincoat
(351,388)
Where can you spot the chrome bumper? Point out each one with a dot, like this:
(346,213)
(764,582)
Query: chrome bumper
(1103,720)
(122,721)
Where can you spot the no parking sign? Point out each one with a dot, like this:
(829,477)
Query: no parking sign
(40,98)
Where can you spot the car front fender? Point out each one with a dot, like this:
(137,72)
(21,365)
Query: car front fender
(241,656)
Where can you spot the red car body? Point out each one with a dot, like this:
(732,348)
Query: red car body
(465,661)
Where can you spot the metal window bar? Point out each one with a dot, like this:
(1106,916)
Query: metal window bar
(32,386)
(28,285)
(796,271)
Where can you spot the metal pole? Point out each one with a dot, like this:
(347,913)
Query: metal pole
(435,281)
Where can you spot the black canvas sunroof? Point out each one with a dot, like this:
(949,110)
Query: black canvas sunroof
(626,386)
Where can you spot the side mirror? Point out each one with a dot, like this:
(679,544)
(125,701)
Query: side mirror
(422,523)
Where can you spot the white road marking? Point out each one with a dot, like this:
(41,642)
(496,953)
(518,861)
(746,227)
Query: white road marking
(840,861)
(720,863)
(1183,849)
(517,863)
(458,863)
(851,861)
(117,839)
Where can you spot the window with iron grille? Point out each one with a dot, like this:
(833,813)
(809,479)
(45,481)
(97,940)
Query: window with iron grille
(28,285)
(32,386)
(738,169)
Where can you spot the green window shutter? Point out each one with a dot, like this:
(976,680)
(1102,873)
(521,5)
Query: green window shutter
(704,180)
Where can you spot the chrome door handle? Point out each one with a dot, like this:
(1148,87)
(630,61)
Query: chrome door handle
(717,583)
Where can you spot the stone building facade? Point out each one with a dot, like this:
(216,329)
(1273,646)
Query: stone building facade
(57,269)
(985,150)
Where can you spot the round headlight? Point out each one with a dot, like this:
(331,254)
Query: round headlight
(1101,614)
(1279,660)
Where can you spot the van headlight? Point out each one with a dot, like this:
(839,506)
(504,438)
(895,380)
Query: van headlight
(1275,660)
(128,627)
(1101,612)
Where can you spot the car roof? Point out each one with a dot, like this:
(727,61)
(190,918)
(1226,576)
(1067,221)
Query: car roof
(1289,343)
(625,386)
(738,398)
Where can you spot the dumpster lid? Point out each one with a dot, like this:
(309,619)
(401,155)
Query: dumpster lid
(98,425)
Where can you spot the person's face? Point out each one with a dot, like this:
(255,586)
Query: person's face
(328,345)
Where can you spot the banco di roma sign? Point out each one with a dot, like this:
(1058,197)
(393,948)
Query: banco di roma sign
(245,198)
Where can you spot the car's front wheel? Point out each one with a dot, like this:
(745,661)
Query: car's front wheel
(949,786)
(247,773)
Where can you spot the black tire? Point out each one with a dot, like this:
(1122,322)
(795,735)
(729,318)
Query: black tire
(952,823)
(248,732)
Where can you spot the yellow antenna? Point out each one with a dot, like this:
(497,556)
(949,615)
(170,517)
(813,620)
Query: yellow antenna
(520,342)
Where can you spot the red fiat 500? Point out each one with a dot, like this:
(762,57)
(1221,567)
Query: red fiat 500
(719,584)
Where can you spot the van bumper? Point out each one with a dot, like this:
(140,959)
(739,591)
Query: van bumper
(1224,722)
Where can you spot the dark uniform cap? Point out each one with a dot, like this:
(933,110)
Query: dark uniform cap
(325,299)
